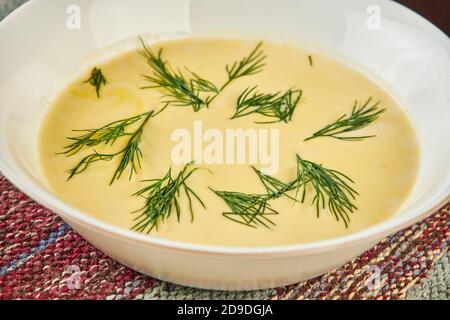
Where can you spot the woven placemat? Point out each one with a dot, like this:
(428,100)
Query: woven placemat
(40,254)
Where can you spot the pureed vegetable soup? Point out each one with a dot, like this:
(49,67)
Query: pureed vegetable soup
(288,146)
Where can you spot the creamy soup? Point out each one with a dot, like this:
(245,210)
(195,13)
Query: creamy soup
(382,163)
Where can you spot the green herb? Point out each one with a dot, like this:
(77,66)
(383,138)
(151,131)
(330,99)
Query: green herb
(278,105)
(362,115)
(274,187)
(250,65)
(251,210)
(178,90)
(201,85)
(331,188)
(107,134)
(254,209)
(310,58)
(130,155)
(162,198)
(97,80)
(189,88)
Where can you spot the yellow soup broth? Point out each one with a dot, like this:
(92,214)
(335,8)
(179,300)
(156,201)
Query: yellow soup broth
(382,167)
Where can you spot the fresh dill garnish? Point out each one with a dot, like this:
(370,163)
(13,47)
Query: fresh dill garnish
(131,154)
(277,105)
(250,65)
(362,115)
(107,134)
(328,184)
(310,59)
(275,188)
(331,189)
(177,89)
(202,85)
(250,210)
(162,198)
(189,88)
(254,210)
(96,80)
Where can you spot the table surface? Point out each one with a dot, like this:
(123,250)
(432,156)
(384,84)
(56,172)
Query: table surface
(436,11)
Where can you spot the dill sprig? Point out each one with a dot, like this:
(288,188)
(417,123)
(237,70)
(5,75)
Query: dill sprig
(189,88)
(331,188)
(250,65)
(362,115)
(178,90)
(250,210)
(131,154)
(96,80)
(84,163)
(200,84)
(107,134)
(162,198)
(275,188)
(277,105)
(254,210)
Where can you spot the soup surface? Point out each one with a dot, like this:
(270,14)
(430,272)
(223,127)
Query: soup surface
(382,167)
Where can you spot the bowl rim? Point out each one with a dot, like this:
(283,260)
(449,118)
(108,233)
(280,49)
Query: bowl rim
(372,233)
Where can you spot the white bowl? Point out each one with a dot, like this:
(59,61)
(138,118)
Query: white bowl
(407,53)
